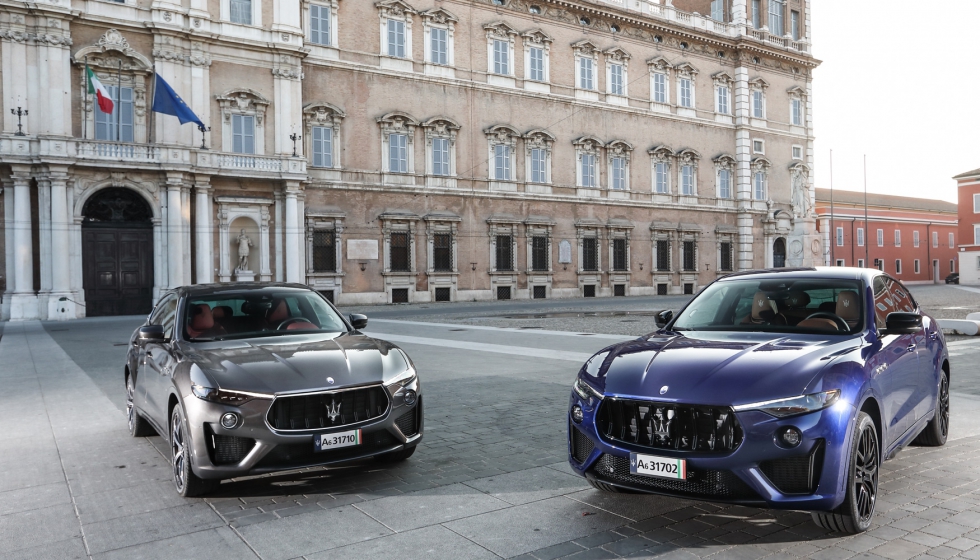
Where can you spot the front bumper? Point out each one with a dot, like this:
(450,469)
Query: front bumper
(739,476)
(260,449)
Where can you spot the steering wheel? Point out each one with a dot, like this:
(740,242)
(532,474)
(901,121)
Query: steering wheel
(840,322)
(282,326)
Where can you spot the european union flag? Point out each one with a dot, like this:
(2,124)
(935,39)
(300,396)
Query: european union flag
(166,101)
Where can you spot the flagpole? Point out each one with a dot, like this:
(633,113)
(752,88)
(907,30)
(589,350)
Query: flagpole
(867,228)
(833,229)
(118,108)
(85,103)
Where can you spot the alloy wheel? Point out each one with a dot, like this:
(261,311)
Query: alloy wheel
(944,405)
(866,473)
(177,450)
(130,408)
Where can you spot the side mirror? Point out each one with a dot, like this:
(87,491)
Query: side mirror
(903,323)
(663,318)
(358,321)
(151,333)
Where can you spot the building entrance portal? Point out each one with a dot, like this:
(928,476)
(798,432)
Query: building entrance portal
(779,253)
(117,254)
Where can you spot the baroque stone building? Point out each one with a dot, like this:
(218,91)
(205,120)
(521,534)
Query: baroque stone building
(402,150)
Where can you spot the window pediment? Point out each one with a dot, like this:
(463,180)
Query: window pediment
(620,148)
(761,164)
(585,47)
(441,127)
(618,54)
(538,139)
(398,122)
(323,114)
(796,91)
(659,64)
(439,16)
(243,101)
(502,134)
(686,69)
(758,83)
(111,49)
(500,30)
(395,9)
(589,144)
(722,79)
(538,37)
(688,156)
(724,161)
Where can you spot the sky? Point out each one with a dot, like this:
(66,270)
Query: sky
(899,82)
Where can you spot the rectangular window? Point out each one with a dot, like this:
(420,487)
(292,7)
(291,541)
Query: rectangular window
(618,173)
(590,254)
(840,262)
(951,244)
(440,157)
(724,183)
(860,263)
(760,185)
(501,162)
(758,104)
(660,87)
(860,237)
(439,45)
(322,146)
(241,12)
(688,257)
(588,170)
(396,38)
(243,134)
(796,106)
(915,239)
(616,79)
(795,24)
(663,255)
(324,251)
(663,178)
(442,252)
(757,14)
(586,79)
(718,10)
(726,256)
(898,238)
(880,264)
(952,265)
(881,238)
(935,240)
(687,99)
(505,253)
(840,237)
(501,57)
(539,254)
(976,203)
(398,252)
(687,179)
(915,266)
(320,25)
(898,266)
(537,64)
(976,235)
(722,92)
(759,147)
(776,12)
(539,159)
(116,126)
(619,255)
(797,152)
(398,153)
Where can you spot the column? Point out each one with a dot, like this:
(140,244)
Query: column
(8,235)
(23,303)
(185,234)
(203,234)
(44,243)
(175,221)
(280,273)
(60,250)
(292,228)
(743,171)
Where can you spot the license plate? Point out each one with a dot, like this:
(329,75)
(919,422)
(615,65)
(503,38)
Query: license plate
(660,467)
(326,442)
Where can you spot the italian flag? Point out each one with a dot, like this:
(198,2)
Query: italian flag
(101,93)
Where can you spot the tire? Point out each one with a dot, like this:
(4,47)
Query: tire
(396,456)
(937,430)
(855,514)
(187,483)
(138,426)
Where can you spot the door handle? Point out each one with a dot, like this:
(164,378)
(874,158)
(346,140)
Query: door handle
(911,348)
(934,335)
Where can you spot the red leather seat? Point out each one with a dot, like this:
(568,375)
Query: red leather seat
(278,313)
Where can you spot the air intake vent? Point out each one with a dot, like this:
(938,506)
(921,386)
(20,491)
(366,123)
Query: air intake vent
(582,446)
(796,475)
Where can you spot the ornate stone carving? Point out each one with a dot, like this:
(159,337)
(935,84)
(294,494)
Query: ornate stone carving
(538,139)
(620,148)
(800,173)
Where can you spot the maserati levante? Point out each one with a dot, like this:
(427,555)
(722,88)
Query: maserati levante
(244,379)
(781,388)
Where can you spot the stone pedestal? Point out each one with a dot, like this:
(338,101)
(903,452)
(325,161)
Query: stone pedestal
(244,276)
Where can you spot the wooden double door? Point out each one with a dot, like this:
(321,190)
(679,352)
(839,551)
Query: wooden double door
(117,266)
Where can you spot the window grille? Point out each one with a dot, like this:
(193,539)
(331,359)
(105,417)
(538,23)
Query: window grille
(442,252)
(324,251)
(590,254)
(619,255)
(726,256)
(689,257)
(663,255)
(399,252)
(539,254)
(505,253)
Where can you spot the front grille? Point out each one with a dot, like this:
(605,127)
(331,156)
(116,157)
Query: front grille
(670,426)
(699,484)
(582,445)
(795,475)
(300,454)
(314,411)
(408,423)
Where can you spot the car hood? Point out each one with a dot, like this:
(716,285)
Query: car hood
(719,368)
(292,363)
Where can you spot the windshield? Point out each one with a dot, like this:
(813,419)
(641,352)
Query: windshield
(221,316)
(784,305)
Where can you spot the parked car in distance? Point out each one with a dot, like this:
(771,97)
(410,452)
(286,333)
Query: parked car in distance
(953,278)
(781,388)
(251,378)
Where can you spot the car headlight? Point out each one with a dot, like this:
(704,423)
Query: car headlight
(403,379)
(585,390)
(792,406)
(234,398)
(397,369)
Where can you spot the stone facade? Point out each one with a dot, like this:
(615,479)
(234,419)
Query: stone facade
(404,150)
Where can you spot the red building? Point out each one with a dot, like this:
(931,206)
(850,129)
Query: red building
(913,239)
(968,185)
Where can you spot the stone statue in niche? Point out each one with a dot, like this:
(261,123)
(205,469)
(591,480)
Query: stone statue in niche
(243,250)
(801,194)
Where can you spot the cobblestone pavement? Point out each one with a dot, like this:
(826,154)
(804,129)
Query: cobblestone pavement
(490,479)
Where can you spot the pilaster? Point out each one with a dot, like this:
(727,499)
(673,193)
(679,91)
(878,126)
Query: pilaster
(294,229)
(60,257)
(23,303)
(175,222)
(8,236)
(203,236)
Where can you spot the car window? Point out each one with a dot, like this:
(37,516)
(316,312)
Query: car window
(164,314)
(890,297)
(223,315)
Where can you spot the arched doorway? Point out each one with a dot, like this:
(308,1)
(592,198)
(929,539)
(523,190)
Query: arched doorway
(117,253)
(779,253)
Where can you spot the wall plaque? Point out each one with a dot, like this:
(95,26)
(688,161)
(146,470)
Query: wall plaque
(362,249)
(564,252)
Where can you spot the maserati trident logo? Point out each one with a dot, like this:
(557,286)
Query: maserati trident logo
(663,390)
(330,381)
(333,411)
(846,303)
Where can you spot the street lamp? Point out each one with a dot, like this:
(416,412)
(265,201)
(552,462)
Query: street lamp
(294,137)
(19,113)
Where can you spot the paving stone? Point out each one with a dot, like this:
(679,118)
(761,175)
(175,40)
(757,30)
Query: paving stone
(900,549)
(557,551)
(215,544)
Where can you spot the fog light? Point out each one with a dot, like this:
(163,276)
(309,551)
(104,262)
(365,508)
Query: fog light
(410,397)
(577,414)
(790,437)
(229,420)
